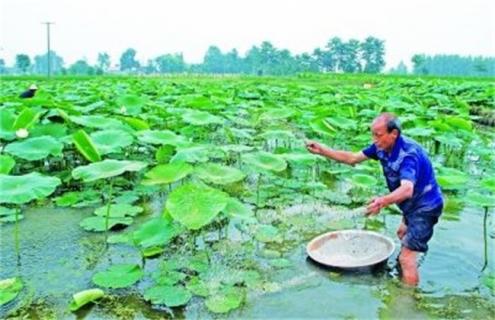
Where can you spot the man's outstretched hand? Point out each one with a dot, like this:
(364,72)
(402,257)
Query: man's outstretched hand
(375,205)
(314,147)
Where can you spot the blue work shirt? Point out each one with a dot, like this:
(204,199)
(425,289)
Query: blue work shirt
(409,161)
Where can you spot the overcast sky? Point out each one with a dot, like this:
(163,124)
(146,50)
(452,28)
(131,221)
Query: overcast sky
(85,27)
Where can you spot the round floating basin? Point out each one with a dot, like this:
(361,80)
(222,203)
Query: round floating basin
(350,248)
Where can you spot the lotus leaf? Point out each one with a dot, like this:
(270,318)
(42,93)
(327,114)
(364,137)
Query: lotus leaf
(118,276)
(136,123)
(219,174)
(9,289)
(280,263)
(489,184)
(8,215)
(35,148)
(192,154)
(55,130)
(155,232)
(7,163)
(98,224)
(167,173)
(161,137)
(201,118)
(84,297)
(195,206)
(119,210)
(482,200)
(168,295)
(130,104)
(24,188)
(108,141)
(235,208)
(197,287)
(99,122)
(106,169)
(7,119)
(363,180)
(229,298)
(164,153)
(26,119)
(265,161)
(86,146)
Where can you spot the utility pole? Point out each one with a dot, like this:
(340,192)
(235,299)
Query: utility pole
(49,61)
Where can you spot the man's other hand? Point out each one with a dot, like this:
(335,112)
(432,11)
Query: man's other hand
(314,147)
(375,205)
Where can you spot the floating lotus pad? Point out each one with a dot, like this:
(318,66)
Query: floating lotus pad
(9,289)
(171,296)
(219,174)
(167,173)
(113,140)
(106,169)
(195,206)
(155,232)
(84,297)
(229,298)
(35,148)
(265,161)
(118,276)
(22,189)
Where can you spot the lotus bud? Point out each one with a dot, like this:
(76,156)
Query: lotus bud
(123,109)
(22,133)
(367,86)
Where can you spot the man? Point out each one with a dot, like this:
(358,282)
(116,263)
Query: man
(29,93)
(411,181)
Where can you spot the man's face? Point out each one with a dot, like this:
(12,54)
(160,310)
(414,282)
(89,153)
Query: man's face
(381,138)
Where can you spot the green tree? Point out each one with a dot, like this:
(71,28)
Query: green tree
(419,64)
(335,54)
(401,69)
(3,69)
(41,63)
(170,63)
(22,62)
(213,61)
(128,61)
(350,57)
(372,52)
(103,61)
(81,67)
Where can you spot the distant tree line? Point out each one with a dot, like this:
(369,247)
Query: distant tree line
(350,56)
(453,65)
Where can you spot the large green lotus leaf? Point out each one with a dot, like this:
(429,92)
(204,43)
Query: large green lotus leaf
(322,127)
(195,206)
(156,232)
(130,104)
(84,297)
(481,200)
(489,184)
(86,146)
(307,159)
(340,122)
(8,215)
(235,208)
(99,122)
(119,210)
(7,119)
(118,276)
(452,179)
(277,114)
(98,224)
(136,123)
(167,173)
(22,189)
(113,140)
(26,119)
(459,123)
(363,180)
(7,163)
(197,287)
(219,174)
(201,118)
(229,298)
(161,137)
(265,161)
(56,130)
(106,169)
(192,154)
(419,132)
(164,153)
(239,148)
(168,295)
(9,289)
(35,148)
(278,135)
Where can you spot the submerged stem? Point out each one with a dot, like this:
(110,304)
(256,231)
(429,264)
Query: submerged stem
(109,204)
(485,240)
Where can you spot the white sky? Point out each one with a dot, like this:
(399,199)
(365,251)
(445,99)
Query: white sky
(153,27)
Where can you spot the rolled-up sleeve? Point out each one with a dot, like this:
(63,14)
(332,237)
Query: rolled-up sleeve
(408,169)
(370,152)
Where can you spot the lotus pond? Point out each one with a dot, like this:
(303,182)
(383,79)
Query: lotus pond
(194,197)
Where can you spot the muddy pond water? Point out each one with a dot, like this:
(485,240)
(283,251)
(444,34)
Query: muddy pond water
(58,258)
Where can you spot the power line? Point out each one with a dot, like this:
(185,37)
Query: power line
(48,46)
